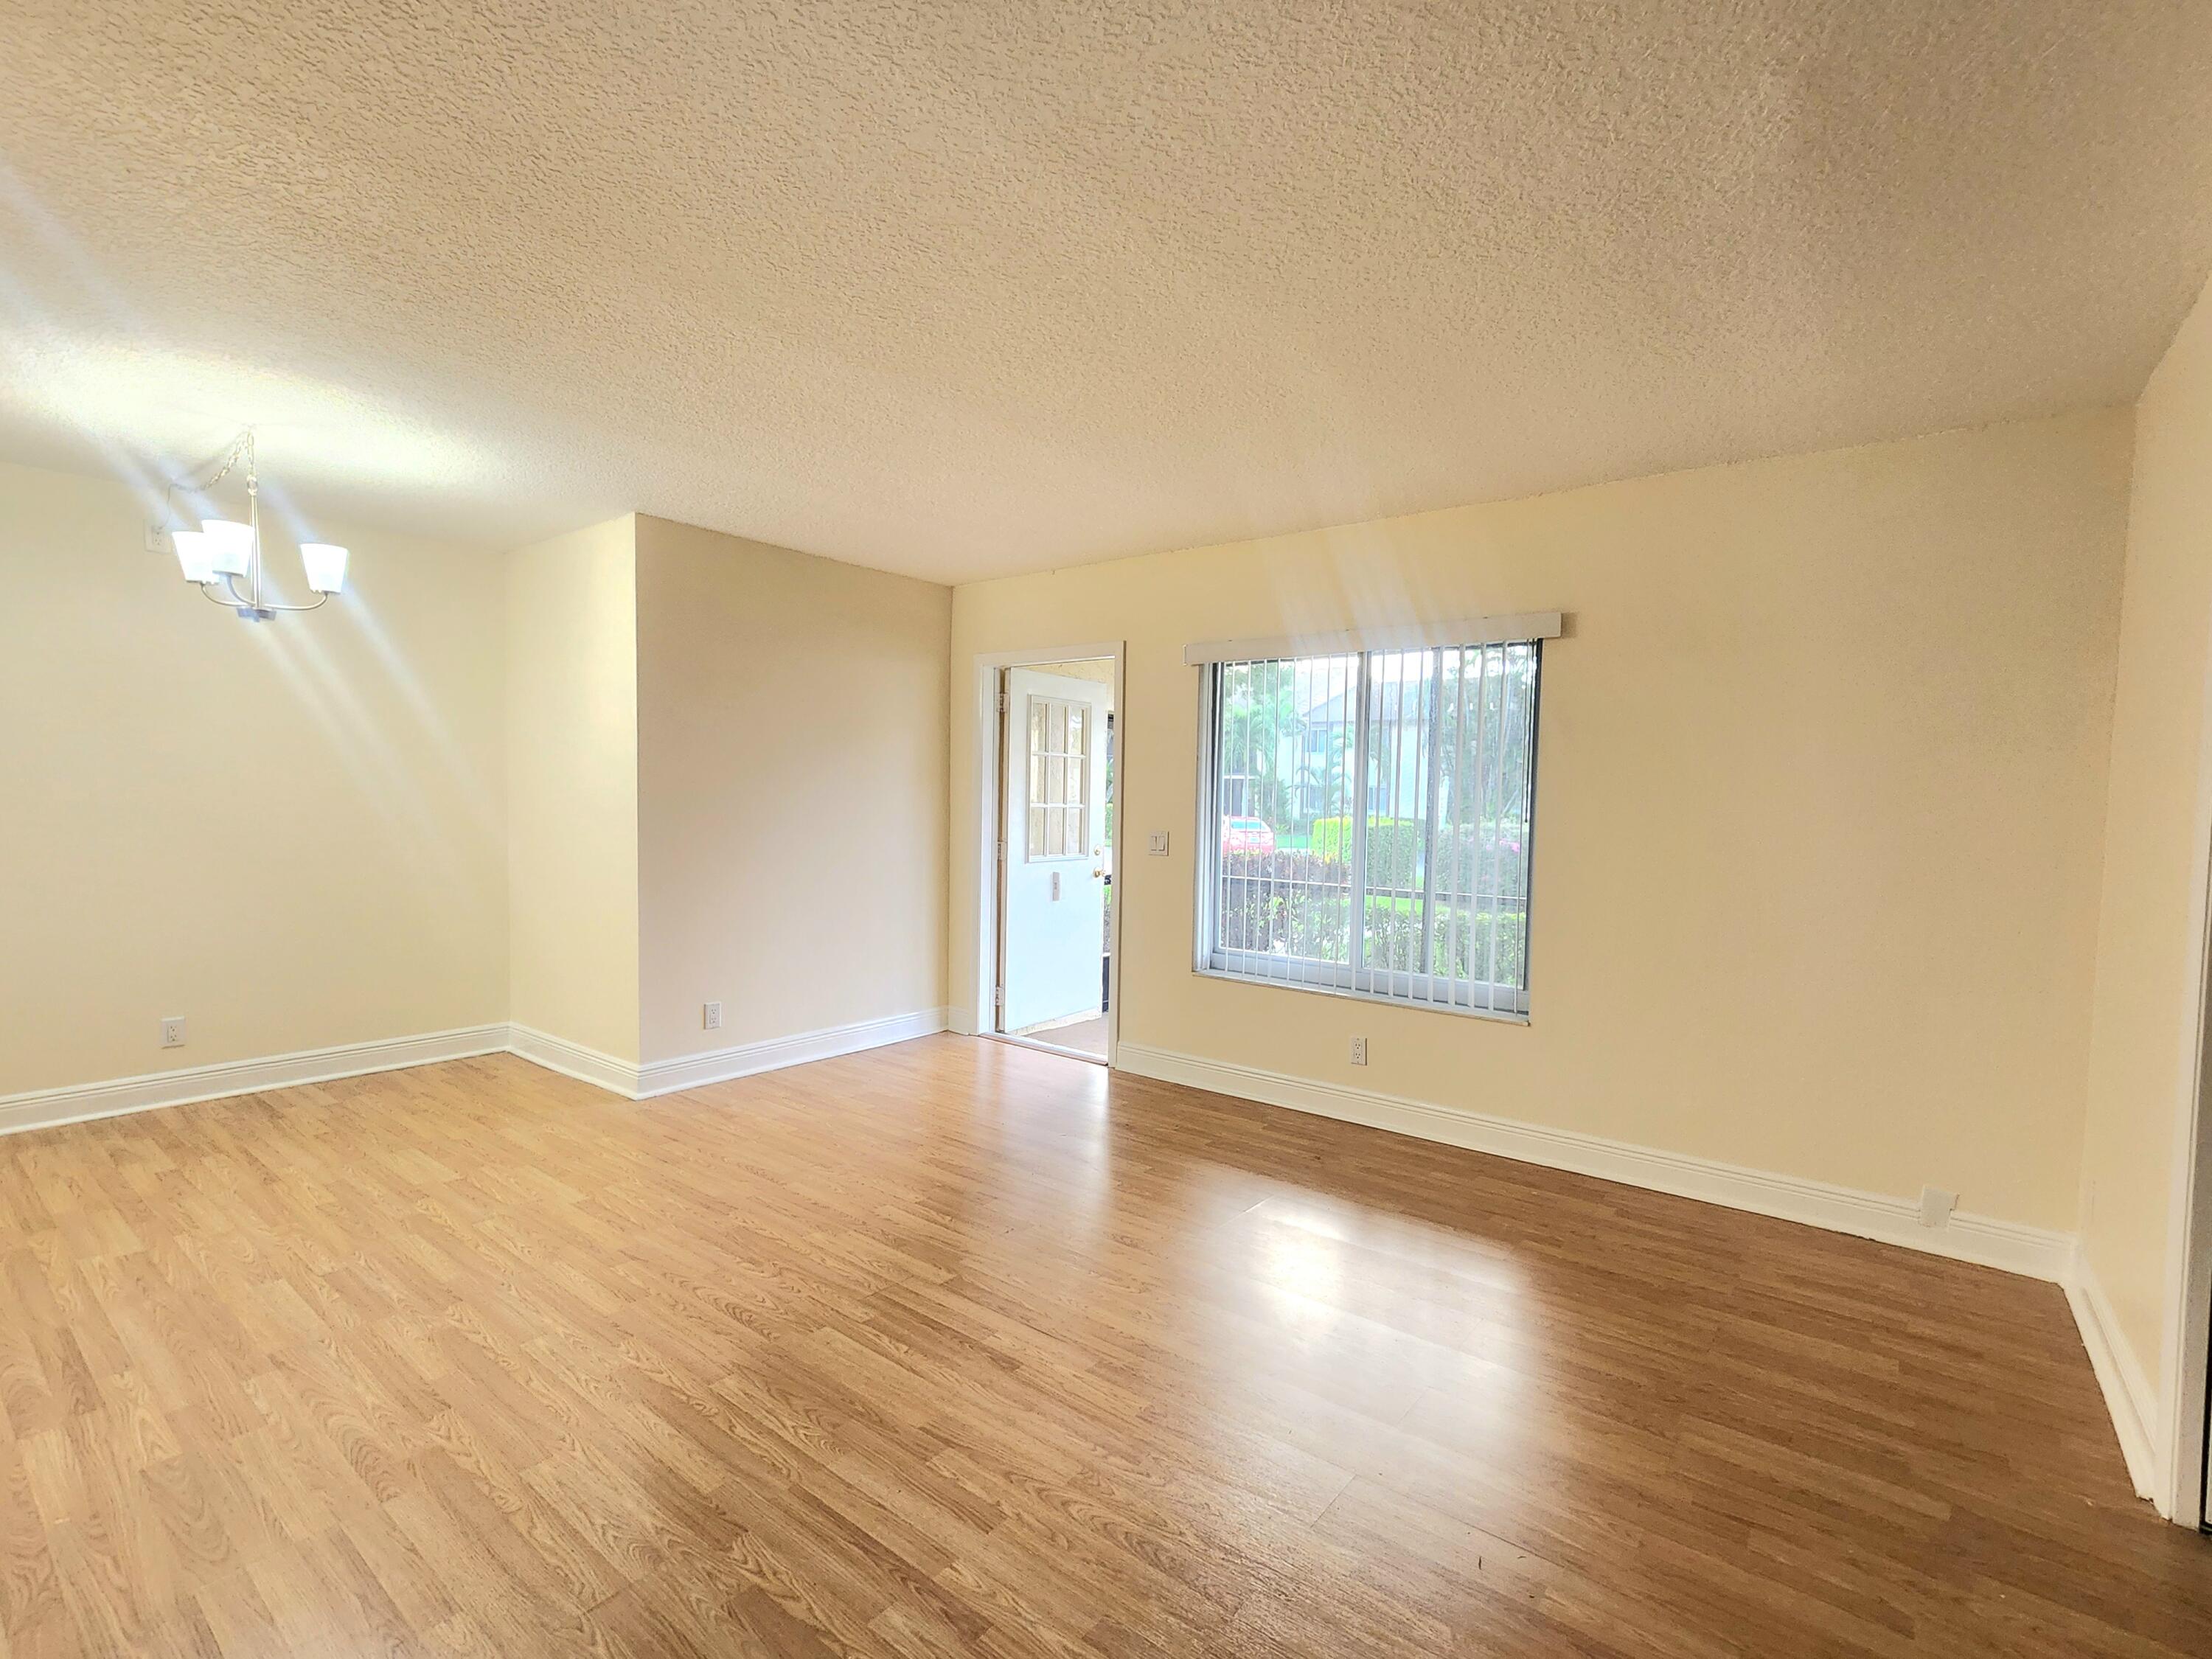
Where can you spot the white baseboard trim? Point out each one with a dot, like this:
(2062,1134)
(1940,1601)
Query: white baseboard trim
(45,1108)
(2120,1374)
(2033,1251)
(41,1108)
(663,1077)
(617,1077)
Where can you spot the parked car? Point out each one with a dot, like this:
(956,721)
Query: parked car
(1247,835)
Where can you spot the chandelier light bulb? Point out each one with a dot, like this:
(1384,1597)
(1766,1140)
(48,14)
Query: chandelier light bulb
(232,543)
(326,562)
(194,554)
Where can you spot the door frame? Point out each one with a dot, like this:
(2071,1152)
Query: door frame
(989,783)
(2187,1362)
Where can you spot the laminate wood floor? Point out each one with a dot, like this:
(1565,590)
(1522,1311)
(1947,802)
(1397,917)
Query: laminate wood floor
(959,1348)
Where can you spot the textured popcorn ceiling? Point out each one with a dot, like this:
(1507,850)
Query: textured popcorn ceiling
(959,289)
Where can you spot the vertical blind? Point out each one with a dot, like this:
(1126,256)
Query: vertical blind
(1367,819)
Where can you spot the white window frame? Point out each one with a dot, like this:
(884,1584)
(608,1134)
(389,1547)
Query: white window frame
(1406,989)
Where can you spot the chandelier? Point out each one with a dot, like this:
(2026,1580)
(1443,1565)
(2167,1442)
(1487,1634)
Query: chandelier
(222,553)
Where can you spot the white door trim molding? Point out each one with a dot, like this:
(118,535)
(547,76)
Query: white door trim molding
(1053,907)
(42,1108)
(2034,1251)
(978,979)
(2184,1495)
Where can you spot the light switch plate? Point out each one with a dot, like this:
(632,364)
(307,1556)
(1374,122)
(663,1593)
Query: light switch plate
(1158,844)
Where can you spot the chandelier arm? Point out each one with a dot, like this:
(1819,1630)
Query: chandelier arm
(231,599)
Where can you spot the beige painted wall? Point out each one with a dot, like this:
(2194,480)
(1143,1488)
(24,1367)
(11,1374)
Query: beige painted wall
(792,789)
(293,834)
(1818,813)
(571,758)
(2142,1040)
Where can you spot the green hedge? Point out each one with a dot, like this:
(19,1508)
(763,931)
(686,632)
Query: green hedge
(1463,940)
(1394,847)
(1299,903)
(1394,856)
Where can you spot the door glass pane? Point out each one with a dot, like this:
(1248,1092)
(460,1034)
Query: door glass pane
(1061,734)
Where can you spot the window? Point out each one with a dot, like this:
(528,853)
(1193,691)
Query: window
(1365,822)
(1059,779)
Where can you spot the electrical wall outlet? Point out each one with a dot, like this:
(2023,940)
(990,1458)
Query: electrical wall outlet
(1359,1051)
(1936,1206)
(172,1032)
(713,1016)
(1157,844)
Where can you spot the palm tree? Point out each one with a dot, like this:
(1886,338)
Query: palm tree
(1260,737)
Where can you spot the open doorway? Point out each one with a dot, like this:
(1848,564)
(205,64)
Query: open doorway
(1053,985)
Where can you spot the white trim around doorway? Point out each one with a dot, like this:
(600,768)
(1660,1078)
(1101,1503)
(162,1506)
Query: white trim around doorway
(2185,1363)
(984,977)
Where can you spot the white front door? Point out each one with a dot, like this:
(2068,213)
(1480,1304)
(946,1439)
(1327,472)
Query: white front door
(1055,838)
